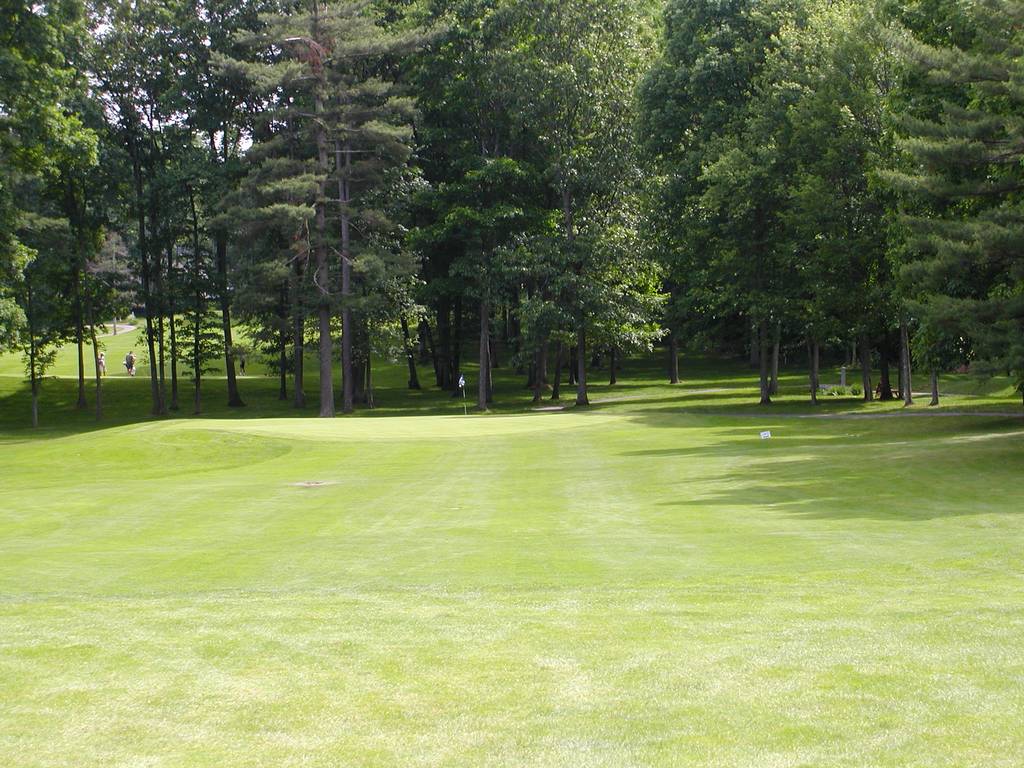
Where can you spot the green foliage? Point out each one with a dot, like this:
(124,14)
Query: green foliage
(42,295)
(580,170)
(42,132)
(964,222)
(478,220)
(202,345)
(711,195)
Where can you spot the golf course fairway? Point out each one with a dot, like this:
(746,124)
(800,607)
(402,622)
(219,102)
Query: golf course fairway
(634,585)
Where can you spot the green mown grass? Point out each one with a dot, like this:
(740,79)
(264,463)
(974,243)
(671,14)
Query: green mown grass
(642,583)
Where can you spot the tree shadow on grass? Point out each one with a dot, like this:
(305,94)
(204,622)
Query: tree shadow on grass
(723,390)
(954,470)
(127,400)
(733,406)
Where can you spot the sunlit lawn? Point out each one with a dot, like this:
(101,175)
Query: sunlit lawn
(644,583)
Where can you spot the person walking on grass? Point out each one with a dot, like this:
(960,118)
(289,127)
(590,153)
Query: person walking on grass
(102,364)
(129,362)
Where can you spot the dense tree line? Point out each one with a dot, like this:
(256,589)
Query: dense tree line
(545,184)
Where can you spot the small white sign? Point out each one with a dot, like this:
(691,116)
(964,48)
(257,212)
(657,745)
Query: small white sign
(766,435)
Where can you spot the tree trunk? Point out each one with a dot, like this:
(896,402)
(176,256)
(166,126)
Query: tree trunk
(573,358)
(159,407)
(935,387)
(428,334)
(908,384)
(456,340)
(424,349)
(198,309)
(775,359)
(485,332)
(764,363)
(581,365)
(410,354)
(298,339)
(673,358)
(326,353)
(369,379)
(172,327)
(612,364)
(443,369)
(815,360)
(322,275)
(144,270)
(492,353)
(348,390)
(174,363)
(323,280)
(540,378)
(884,377)
(32,362)
(282,360)
(197,333)
(35,393)
(234,398)
(865,370)
(515,331)
(96,364)
(197,358)
(82,404)
(556,384)
(755,347)
(160,352)
(347,329)
(298,364)
(490,370)
(359,374)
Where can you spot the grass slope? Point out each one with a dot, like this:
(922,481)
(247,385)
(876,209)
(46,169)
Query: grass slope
(644,583)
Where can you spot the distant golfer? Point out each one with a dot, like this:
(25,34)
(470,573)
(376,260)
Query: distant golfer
(129,363)
(102,363)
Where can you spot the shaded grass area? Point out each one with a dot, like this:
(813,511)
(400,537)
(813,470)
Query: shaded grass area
(645,582)
(710,386)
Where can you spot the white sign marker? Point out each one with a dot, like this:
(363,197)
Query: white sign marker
(766,435)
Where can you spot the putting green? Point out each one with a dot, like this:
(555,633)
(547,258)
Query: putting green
(636,585)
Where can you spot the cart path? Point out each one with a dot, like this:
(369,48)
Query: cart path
(120,329)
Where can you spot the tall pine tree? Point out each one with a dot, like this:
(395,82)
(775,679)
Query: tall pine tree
(966,221)
(323,69)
